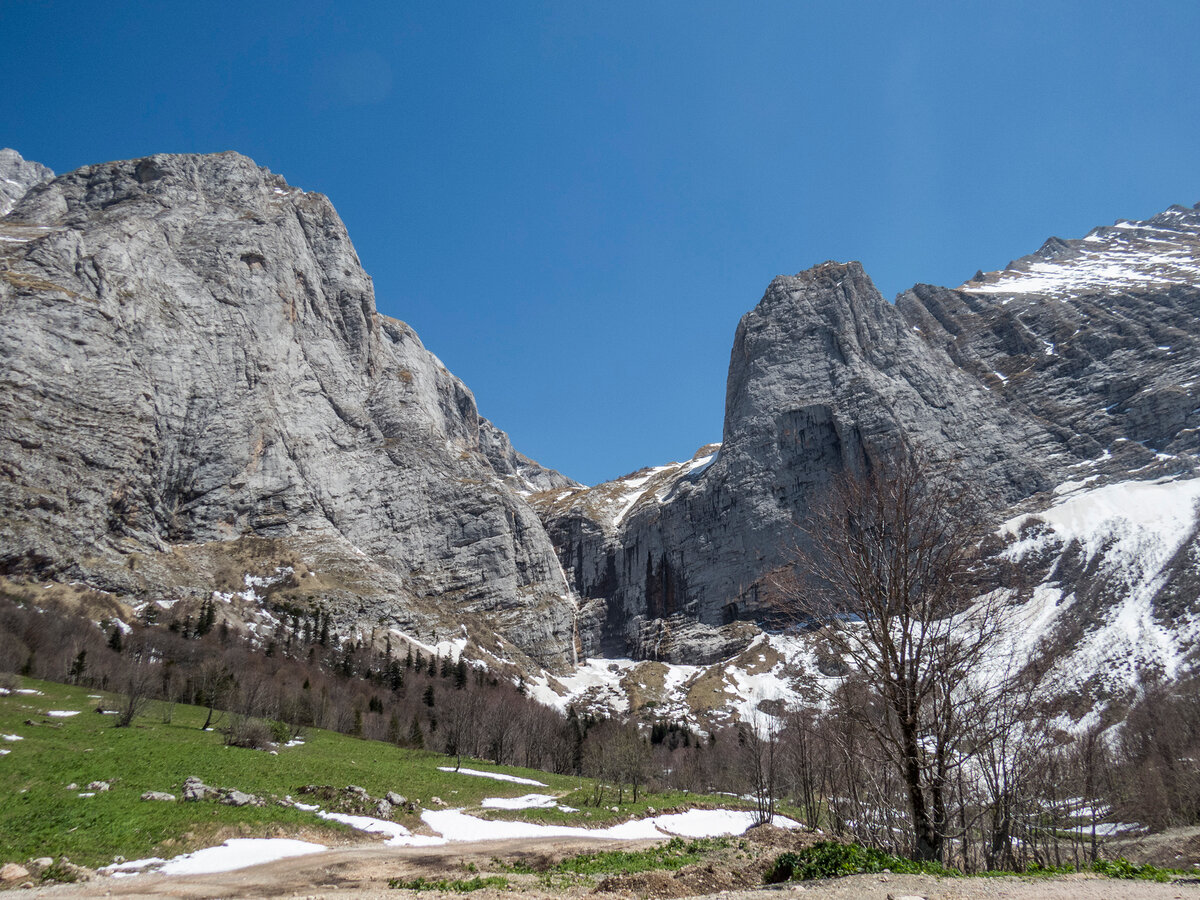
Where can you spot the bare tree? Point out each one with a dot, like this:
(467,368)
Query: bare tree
(886,572)
(759,744)
(138,682)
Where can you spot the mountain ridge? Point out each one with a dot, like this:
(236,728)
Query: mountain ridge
(201,400)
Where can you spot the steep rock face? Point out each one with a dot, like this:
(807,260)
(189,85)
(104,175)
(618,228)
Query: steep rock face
(17,176)
(1096,338)
(192,357)
(1077,362)
(521,473)
(824,374)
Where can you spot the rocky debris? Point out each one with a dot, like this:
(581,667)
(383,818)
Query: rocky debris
(99,786)
(355,800)
(205,329)
(12,873)
(159,795)
(231,797)
(195,789)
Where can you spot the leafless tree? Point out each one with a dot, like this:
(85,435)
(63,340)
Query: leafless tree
(886,571)
(759,743)
(138,682)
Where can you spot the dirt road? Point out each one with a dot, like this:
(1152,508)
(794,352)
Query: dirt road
(363,872)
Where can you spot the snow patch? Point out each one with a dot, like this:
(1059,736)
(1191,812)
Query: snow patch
(498,776)
(528,801)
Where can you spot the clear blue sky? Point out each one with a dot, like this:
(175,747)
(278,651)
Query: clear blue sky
(574,202)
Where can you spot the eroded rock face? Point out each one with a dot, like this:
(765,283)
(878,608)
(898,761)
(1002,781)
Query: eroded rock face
(192,355)
(1078,361)
(824,374)
(17,176)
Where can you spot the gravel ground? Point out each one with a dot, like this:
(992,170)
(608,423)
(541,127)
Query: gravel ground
(363,872)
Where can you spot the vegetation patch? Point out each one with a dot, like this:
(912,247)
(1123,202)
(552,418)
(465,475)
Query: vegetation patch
(830,859)
(456,886)
(674,854)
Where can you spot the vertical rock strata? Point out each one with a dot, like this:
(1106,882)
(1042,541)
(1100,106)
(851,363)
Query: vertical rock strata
(1078,361)
(192,357)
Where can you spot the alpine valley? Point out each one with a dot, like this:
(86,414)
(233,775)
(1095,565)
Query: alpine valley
(200,404)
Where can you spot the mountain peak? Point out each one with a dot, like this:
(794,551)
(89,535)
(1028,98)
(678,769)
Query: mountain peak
(17,176)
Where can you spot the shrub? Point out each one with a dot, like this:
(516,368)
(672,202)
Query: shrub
(457,886)
(829,859)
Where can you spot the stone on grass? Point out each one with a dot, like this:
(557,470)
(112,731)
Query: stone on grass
(10,873)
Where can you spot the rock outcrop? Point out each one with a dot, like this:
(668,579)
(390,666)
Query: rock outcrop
(1082,355)
(198,390)
(17,176)
(200,400)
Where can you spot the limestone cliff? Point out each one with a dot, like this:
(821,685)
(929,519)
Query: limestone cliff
(196,381)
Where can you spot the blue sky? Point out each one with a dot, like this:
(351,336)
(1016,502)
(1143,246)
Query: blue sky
(573,203)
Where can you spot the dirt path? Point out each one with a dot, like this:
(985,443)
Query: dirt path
(363,872)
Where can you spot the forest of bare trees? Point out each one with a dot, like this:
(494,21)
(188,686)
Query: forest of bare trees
(923,740)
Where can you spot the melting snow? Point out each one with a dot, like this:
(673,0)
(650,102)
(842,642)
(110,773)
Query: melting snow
(63,713)
(498,776)
(528,801)
(398,835)
(236,853)
(1130,531)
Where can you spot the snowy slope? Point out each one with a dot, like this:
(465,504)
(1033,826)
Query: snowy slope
(613,501)
(1130,549)
(1159,252)
(1116,598)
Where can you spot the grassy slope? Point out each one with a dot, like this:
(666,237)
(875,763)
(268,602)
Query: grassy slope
(40,816)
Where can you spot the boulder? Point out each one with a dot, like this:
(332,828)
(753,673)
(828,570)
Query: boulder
(12,873)
(195,789)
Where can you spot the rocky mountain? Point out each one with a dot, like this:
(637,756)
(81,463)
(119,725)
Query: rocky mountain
(1073,370)
(201,400)
(17,176)
(199,393)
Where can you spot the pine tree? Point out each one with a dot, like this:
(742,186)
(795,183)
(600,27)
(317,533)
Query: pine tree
(427,697)
(114,640)
(78,667)
(416,737)
(460,674)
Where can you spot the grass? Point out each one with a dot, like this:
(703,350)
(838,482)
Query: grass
(829,859)
(594,817)
(41,816)
(674,854)
(456,886)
